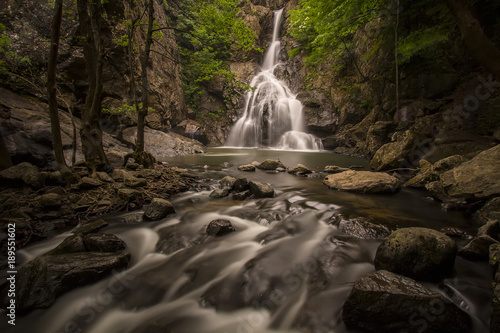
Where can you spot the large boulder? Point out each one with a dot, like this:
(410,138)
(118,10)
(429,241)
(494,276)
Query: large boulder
(158,209)
(43,279)
(362,181)
(162,144)
(478,178)
(23,174)
(419,253)
(387,302)
(392,155)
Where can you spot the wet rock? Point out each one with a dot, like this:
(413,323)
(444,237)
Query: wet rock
(420,253)
(299,169)
(247,167)
(90,227)
(478,248)
(478,178)
(394,303)
(158,209)
(219,193)
(242,195)
(227,181)
(45,278)
(364,229)
(88,183)
(50,201)
(362,181)
(241,184)
(220,228)
(71,244)
(261,190)
(171,240)
(23,174)
(335,169)
(271,165)
(103,243)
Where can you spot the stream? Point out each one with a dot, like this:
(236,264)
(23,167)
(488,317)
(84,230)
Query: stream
(286,268)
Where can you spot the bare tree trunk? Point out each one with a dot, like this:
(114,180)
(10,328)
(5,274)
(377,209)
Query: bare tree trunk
(51,85)
(143,111)
(480,46)
(91,132)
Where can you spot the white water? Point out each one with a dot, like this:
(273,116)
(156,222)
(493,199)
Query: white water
(273,117)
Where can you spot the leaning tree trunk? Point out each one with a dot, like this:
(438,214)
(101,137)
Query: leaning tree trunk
(143,111)
(51,85)
(91,132)
(480,46)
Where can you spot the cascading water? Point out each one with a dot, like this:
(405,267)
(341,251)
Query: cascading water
(273,117)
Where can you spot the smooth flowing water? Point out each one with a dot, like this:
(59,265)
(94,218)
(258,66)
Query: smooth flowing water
(273,117)
(286,268)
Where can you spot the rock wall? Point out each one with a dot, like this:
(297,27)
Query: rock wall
(28,26)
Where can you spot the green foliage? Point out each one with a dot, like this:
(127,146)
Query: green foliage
(209,32)
(4,44)
(126,113)
(326,28)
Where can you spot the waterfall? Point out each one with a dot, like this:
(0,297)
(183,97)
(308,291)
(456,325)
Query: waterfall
(273,117)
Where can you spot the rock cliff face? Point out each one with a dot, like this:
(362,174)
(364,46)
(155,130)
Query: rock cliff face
(28,26)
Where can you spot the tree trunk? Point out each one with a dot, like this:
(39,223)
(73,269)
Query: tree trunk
(480,46)
(91,132)
(51,86)
(143,111)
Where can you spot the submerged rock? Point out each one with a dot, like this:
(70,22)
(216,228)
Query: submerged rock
(362,181)
(158,209)
(384,301)
(420,253)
